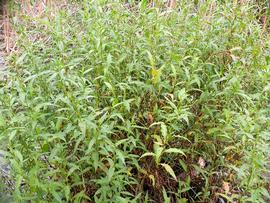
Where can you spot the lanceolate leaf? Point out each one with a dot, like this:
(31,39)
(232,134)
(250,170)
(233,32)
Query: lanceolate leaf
(174,150)
(169,169)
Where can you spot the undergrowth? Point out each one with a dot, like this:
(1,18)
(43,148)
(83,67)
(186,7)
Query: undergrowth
(121,102)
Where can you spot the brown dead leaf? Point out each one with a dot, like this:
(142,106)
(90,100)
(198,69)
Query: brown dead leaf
(263,21)
(171,3)
(150,119)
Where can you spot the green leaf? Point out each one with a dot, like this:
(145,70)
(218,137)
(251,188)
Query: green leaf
(110,173)
(21,59)
(82,126)
(183,165)
(57,196)
(2,121)
(152,178)
(67,192)
(12,135)
(120,156)
(169,169)
(164,131)
(158,152)
(127,106)
(147,154)
(90,146)
(72,169)
(18,155)
(95,157)
(174,150)
(166,199)
(143,4)
(151,58)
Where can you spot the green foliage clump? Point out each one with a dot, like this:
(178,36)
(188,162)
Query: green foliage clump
(113,102)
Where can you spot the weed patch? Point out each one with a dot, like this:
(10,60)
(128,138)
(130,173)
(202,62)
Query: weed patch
(105,102)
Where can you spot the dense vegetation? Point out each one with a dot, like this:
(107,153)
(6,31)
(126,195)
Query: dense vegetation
(114,102)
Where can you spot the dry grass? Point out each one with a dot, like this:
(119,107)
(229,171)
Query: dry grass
(37,10)
(7,31)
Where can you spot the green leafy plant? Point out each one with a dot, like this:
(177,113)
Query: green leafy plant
(113,101)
